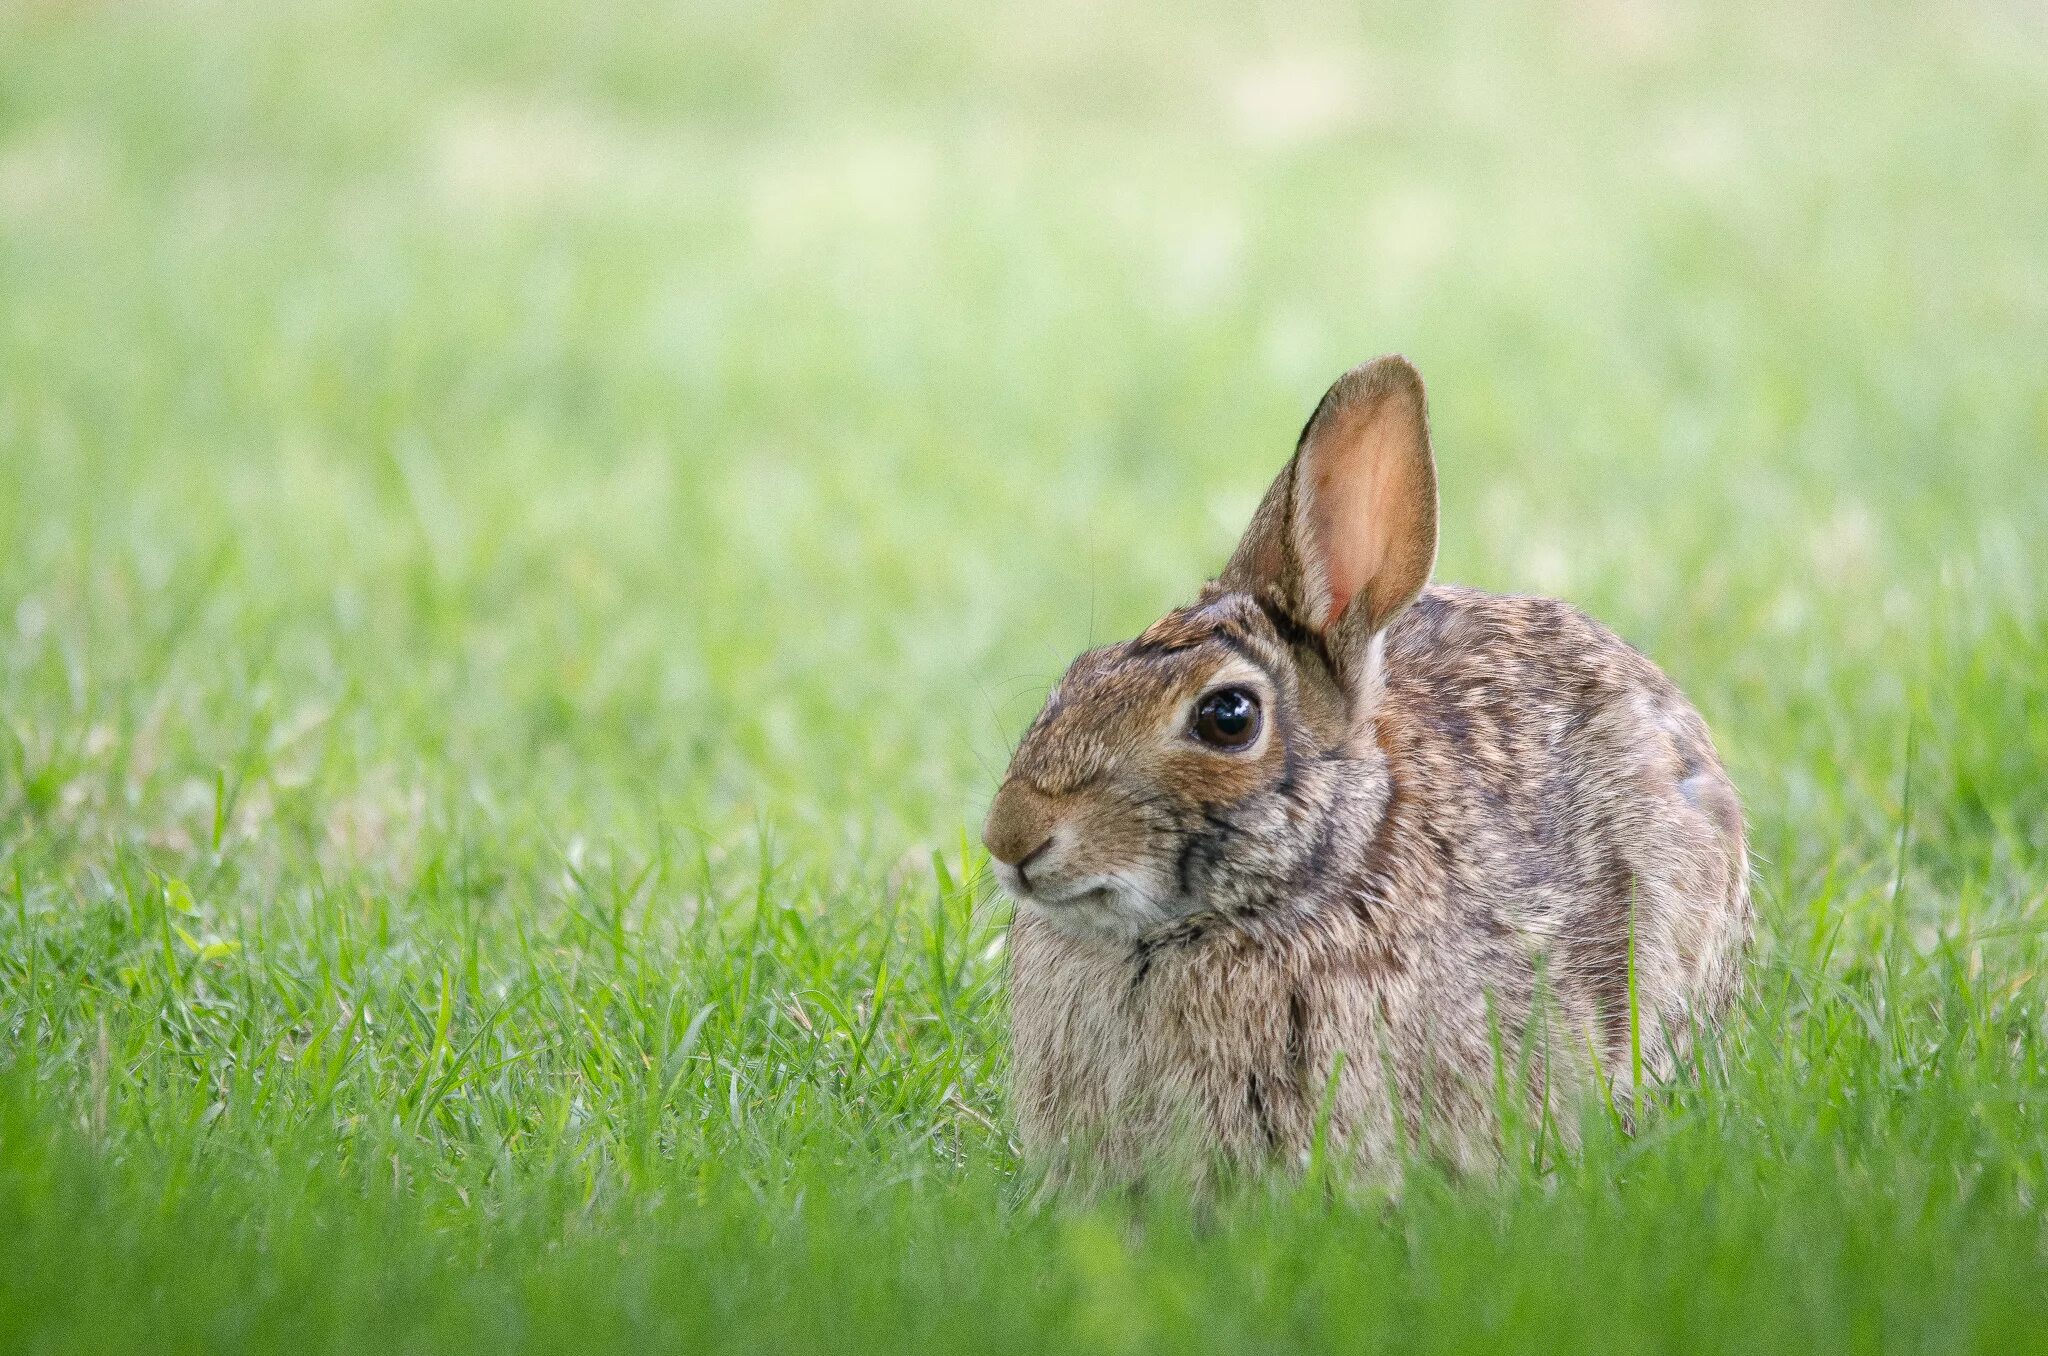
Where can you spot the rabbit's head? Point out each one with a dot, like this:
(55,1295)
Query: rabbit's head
(1211,761)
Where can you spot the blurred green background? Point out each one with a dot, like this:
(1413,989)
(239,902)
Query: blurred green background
(527,528)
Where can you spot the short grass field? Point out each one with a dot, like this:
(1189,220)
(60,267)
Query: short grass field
(526,532)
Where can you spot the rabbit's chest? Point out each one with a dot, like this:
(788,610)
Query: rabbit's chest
(1112,1043)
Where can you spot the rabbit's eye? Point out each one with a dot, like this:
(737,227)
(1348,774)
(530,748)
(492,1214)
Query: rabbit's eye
(1228,718)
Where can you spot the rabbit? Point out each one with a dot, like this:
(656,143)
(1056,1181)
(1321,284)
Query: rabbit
(1337,859)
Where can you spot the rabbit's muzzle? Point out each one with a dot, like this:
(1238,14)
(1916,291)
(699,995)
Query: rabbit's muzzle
(1046,858)
(1033,850)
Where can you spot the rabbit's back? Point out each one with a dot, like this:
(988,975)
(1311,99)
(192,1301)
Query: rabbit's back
(1570,795)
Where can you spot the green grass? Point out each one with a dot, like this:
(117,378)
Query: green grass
(526,532)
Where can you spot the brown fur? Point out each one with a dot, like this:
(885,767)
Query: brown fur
(1430,860)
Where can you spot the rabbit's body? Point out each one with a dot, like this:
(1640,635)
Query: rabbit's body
(1534,780)
(1323,812)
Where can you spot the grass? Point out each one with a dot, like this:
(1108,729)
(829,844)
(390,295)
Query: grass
(527,531)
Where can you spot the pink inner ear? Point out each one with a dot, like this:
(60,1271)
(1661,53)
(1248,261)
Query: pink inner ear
(1359,495)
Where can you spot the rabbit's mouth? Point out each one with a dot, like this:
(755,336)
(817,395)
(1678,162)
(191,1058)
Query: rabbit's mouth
(1096,906)
(1094,897)
(1053,895)
(1062,894)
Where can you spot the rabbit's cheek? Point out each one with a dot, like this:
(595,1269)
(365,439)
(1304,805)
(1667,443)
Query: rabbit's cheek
(1216,781)
(1206,781)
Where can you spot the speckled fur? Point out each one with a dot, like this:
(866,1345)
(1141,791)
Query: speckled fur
(1428,861)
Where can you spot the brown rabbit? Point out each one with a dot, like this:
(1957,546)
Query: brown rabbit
(1332,852)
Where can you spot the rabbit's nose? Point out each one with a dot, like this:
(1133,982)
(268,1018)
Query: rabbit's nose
(1020,826)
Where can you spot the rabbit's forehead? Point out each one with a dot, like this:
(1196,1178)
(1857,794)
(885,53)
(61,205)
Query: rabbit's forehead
(1170,660)
(1116,700)
(1118,681)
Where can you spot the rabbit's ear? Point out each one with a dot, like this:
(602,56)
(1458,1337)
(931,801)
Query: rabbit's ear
(1346,537)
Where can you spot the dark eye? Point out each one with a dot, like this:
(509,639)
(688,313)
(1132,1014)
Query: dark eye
(1227,718)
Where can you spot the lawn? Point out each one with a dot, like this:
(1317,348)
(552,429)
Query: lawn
(526,531)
